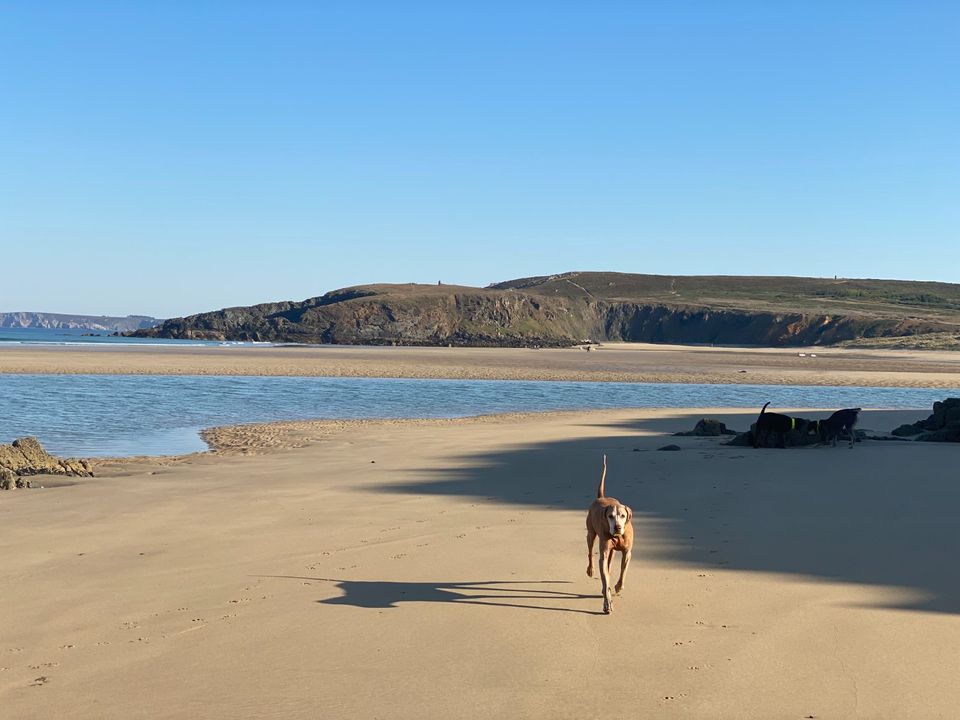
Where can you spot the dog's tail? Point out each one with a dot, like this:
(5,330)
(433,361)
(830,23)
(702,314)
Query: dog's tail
(603,476)
(764,407)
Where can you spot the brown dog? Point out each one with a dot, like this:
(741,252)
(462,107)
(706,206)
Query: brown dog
(609,520)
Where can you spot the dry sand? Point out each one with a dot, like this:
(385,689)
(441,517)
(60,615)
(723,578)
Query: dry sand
(436,570)
(610,362)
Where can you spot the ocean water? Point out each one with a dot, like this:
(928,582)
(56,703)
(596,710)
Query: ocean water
(122,415)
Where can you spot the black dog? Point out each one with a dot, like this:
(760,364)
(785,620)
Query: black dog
(776,423)
(842,422)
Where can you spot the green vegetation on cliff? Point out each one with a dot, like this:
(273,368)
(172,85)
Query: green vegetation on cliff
(572,308)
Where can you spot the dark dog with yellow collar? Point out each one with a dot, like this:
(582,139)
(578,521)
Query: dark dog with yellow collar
(780,424)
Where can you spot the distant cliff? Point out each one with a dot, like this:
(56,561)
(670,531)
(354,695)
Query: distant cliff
(76,322)
(572,308)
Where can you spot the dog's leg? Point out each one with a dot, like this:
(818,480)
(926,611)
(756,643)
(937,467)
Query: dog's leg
(591,539)
(624,562)
(605,552)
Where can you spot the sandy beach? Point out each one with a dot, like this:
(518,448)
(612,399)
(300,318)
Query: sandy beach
(610,362)
(435,569)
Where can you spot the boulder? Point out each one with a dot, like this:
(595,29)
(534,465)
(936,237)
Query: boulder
(708,427)
(8,479)
(672,448)
(26,456)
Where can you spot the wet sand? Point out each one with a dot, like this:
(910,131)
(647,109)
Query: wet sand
(435,569)
(609,362)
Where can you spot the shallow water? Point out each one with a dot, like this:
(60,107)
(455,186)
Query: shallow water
(121,415)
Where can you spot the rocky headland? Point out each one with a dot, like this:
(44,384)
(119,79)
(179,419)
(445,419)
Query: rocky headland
(574,308)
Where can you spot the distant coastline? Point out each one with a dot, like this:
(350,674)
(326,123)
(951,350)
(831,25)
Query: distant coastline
(61,321)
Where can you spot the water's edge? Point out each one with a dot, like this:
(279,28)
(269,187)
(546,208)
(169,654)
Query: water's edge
(125,415)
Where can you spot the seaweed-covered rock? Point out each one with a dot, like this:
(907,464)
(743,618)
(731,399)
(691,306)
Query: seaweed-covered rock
(708,427)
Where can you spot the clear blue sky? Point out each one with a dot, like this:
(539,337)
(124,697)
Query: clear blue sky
(167,158)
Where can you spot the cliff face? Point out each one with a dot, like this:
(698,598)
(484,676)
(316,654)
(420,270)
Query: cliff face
(540,312)
(664,324)
(360,316)
(75,322)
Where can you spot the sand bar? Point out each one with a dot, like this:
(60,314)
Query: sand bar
(610,362)
(435,569)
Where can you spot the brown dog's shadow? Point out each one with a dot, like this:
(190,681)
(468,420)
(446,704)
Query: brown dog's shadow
(377,594)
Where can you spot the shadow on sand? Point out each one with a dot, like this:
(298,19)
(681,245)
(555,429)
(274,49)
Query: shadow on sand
(496,593)
(884,514)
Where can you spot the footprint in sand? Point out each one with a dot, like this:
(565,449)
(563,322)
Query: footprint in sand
(44,665)
(67,647)
(42,680)
(398,556)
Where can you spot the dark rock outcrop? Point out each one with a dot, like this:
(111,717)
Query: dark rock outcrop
(906,430)
(26,457)
(707,427)
(943,425)
(794,438)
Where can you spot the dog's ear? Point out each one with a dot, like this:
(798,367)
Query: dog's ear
(629,513)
